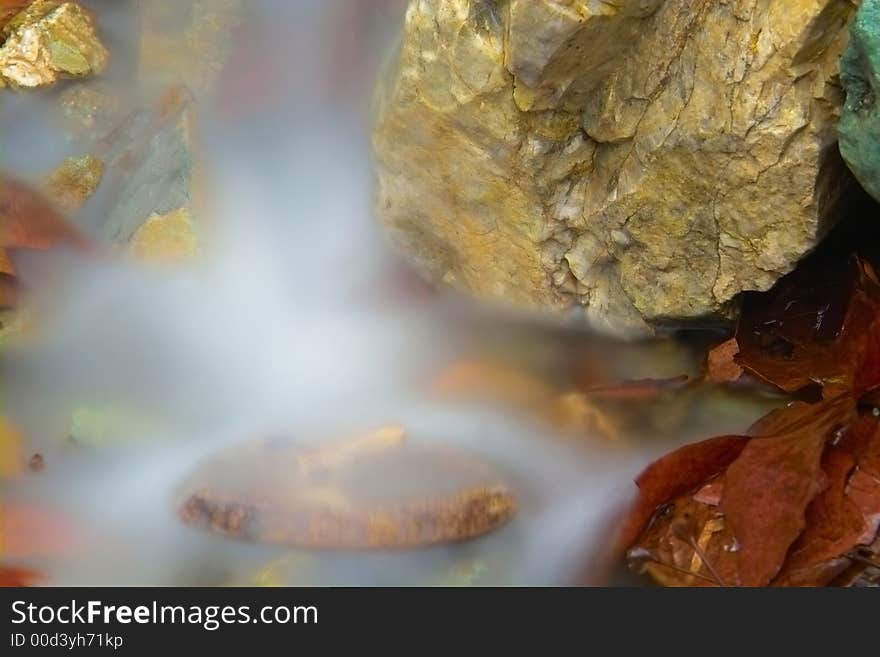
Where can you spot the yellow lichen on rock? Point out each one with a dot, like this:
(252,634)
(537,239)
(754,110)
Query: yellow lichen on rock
(74,181)
(643,161)
(47,41)
(167,238)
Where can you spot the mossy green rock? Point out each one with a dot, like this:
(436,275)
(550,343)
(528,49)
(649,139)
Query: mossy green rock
(860,120)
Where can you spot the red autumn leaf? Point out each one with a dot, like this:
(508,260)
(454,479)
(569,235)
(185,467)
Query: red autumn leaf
(635,390)
(800,416)
(816,326)
(28,221)
(720,364)
(16,577)
(688,544)
(864,491)
(675,474)
(768,487)
(863,442)
(788,511)
(28,530)
(834,525)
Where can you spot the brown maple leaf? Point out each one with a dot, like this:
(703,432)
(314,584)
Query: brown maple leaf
(833,525)
(688,544)
(759,493)
(720,364)
(675,474)
(636,389)
(815,327)
(31,530)
(11,576)
(29,221)
(768,487)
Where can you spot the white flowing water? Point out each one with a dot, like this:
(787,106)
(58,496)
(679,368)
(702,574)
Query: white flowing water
(291,318)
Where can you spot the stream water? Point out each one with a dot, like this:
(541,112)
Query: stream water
(295,319)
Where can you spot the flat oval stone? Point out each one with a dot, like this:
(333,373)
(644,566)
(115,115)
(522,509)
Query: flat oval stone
(375,492)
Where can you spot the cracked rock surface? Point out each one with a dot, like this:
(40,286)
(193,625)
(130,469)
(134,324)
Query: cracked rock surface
(642,160)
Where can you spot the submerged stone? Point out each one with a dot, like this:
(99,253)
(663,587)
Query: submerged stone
(374,492)
(165,238)
(149,167)
(642,161)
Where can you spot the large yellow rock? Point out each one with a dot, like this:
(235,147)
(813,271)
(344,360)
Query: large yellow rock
(642,160)
(47,41)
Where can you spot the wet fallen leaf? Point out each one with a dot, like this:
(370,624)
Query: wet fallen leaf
(815,328)
(643,407)
(781,501)
(833,525)
(11,576)
(768,487)
(863,487)
(863,442)
(688,544)
(677,473)
(28,221)
(636,390)
(30,530)
(720,364)
(801,501)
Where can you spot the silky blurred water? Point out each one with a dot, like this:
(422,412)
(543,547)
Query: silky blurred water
(295,317)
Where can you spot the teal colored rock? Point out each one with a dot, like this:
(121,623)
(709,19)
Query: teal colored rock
(860,121)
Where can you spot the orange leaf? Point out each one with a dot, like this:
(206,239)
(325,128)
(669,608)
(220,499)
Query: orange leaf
(28,530)
(28,221)
(767,489)
(11,576)
(720,364)
(816,326)
(677,473)
(834,524)
(635,390)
